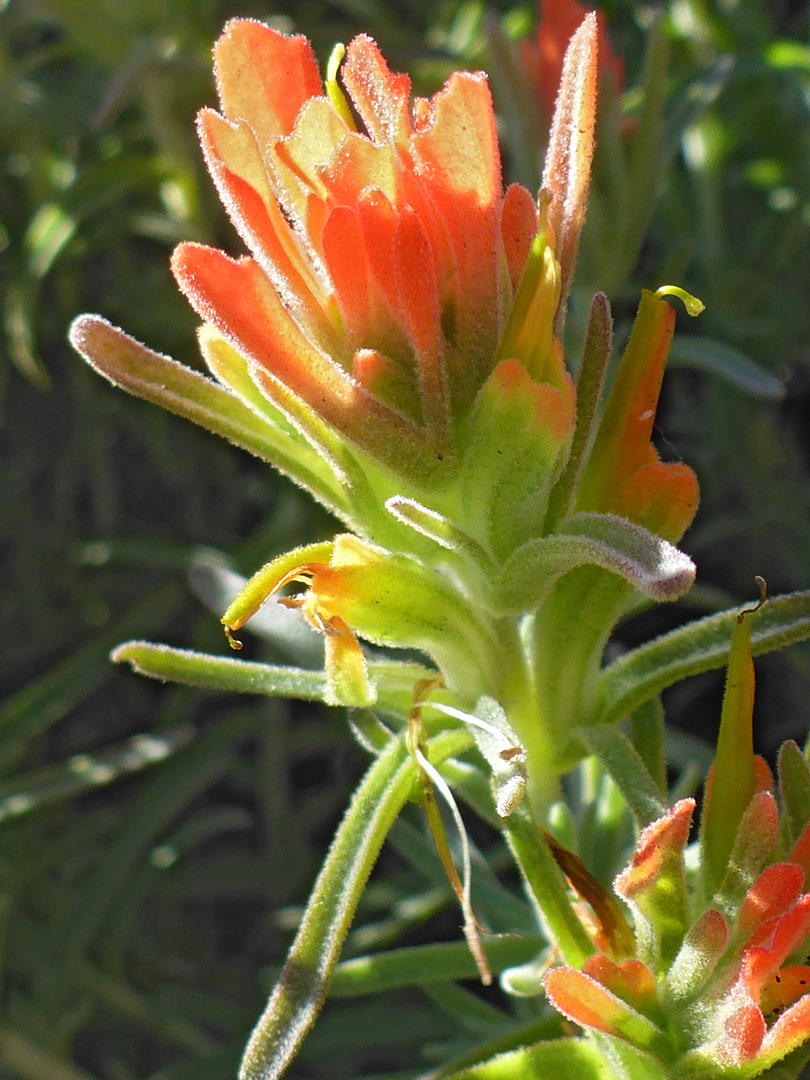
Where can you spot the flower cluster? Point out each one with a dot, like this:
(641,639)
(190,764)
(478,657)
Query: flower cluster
(722,992)
(393,342)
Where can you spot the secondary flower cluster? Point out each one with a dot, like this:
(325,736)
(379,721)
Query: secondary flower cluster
(718,982)
(716,993)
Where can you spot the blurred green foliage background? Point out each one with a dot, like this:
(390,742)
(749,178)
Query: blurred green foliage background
(154,842)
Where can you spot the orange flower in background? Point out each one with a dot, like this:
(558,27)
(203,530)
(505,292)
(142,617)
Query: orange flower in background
(543,56)
(384,252)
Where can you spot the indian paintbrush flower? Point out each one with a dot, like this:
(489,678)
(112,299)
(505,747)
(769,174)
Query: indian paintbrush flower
(393,342)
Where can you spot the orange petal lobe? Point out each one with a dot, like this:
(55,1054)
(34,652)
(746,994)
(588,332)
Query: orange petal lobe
(519,224)
(236,298)
(776,889)
(345,258)
(630,980)
(744,1031)
(264,77)
(661,496)
(790,1030)
(381,98)
(420,305)
(656,845)
(255,212)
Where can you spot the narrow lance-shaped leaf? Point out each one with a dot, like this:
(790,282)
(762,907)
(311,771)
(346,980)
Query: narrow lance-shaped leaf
(84,772)
(572,1059)
(394,680)
(423,965)
(547,887)
(700,646)
(732,781)
(157,378)
(794,788)
(304,980)
(622,762)
(648,735)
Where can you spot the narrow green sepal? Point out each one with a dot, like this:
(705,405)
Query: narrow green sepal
(732,782)
(699,646)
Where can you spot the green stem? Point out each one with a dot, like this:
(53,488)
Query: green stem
(547,887)
(518,696)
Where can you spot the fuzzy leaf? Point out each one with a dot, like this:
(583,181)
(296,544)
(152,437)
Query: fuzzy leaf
(700,646)
(648,735)
(704,944)
(305,977)
(423,965)
(621,761)
(548,888)
(652,565)
(157,378)
(395,681)
(794,787)
(572,1059)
